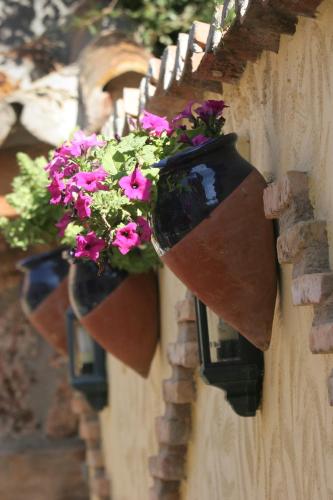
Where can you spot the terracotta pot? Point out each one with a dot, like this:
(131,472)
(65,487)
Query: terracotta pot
(119,310)
(210,230)
(44,296)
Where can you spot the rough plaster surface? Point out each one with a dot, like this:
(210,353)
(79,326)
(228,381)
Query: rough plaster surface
(283,107)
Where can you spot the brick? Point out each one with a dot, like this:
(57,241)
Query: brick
(187,332)
(312,288)
(80,405)
(279,196)
(89,430)
(164,490)
(95,458)
(321,338)
(172,431)
(185,310)
(299,237)
(169,464)
(178,391)
(181,373)
(184,354)
(100,485)
(180,411)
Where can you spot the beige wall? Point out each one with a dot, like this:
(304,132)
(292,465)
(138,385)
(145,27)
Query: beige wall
(283,106)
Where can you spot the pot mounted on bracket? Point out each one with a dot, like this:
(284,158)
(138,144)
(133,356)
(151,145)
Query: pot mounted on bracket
(44,296)
(211,231)
(119,310)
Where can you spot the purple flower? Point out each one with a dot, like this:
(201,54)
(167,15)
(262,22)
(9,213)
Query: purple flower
(56,189)
(210,108)
(136,186)
(63,223)
(91,181)
(89,246)
(155,124)
(184,138)
(143,229)
(84,142)
(127,238)
(186,113)
(200,139)
(82,205)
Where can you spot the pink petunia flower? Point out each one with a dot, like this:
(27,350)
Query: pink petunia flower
(67,150)
(199,139)
(82,205)
(89,246)
(91,181)
(136,186)
(84,142)
(56,189)
(127,238)
(55,166)
(143,229)
(155,124)
(210,108)
(70,194)
(63,223)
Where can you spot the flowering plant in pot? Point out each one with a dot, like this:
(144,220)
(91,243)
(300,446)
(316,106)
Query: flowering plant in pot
(44,292)
(107,189)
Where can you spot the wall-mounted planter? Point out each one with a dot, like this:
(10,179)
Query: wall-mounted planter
(119,310)
(44,296)
(210,230)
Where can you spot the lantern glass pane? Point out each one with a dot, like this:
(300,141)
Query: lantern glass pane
(84,351)
(223,339)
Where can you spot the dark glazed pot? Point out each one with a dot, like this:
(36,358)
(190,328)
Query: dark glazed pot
(210,230)
(44,295)
(119,310)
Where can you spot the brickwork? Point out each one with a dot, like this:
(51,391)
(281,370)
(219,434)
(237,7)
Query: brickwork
(90,432)
(168,467)
(303,243)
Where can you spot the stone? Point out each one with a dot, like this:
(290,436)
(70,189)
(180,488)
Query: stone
(184,353)
(178,391)
(164,490)
(312,288)
(169,464)
(298,237)
(172,431)
(321,338)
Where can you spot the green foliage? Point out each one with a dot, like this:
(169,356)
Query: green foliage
(157,23)
(30,198)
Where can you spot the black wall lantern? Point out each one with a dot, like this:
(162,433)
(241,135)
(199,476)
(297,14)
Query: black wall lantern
(231,363)
(87,368)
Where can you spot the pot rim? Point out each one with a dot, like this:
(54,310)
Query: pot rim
(29,262)
(187,155)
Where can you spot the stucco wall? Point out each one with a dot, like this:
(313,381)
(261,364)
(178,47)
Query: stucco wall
(283,106)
